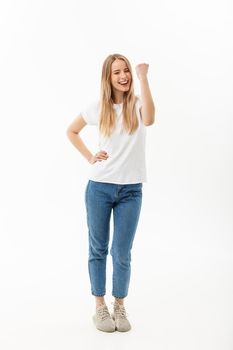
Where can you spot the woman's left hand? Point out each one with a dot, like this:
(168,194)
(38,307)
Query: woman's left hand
(141,70)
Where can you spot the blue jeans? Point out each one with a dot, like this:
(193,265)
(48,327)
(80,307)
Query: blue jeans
(101,199)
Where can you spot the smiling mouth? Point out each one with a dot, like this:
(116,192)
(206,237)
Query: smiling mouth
(123,82)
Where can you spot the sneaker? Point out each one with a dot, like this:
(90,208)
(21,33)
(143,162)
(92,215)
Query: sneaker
(120,317)
(102,319)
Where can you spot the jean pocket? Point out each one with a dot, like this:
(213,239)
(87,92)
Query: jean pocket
(137,192)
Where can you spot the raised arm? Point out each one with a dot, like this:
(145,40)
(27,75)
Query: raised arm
(148,107)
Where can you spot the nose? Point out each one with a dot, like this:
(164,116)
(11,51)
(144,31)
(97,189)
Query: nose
(123,76)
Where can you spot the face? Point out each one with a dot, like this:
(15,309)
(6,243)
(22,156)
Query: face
(120,76)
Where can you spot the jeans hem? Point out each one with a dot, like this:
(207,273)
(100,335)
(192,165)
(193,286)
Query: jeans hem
(98,295)
(119,297)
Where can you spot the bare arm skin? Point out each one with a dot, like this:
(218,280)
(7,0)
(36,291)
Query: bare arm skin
(73,135)
(148,107)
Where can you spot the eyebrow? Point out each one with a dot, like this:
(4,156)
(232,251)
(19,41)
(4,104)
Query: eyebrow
(116,70)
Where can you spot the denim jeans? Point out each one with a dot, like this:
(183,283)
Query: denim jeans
(124,201)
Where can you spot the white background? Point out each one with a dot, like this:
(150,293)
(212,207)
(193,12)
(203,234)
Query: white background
(181,288)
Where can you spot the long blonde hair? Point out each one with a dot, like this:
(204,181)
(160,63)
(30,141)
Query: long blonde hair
(107,112)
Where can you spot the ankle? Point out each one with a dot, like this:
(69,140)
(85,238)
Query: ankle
(119,301)
(99,301)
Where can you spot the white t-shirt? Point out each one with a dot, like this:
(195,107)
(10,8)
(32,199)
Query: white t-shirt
(126,163)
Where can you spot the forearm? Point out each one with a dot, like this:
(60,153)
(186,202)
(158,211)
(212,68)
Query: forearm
(148,107)
(76,140)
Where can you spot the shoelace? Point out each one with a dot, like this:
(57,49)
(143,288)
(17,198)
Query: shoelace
(103,312)
(120,311)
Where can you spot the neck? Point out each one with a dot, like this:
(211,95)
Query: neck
(118,97)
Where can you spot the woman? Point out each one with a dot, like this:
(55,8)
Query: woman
(118,171)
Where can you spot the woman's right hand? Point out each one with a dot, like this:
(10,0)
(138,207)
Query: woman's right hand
(98,157)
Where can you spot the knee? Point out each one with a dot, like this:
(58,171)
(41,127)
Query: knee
(120,257)
(98,252)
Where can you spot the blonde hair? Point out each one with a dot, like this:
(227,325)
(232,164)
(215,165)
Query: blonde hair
(107,112)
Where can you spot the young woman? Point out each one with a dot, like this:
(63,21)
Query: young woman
(117,173)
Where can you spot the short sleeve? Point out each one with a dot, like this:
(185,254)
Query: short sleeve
(91,113)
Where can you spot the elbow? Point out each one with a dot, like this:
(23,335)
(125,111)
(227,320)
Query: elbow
(70,131)
(70,134)
(149,117)
(149,121)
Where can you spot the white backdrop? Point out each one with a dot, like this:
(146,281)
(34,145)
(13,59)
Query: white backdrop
(181,288)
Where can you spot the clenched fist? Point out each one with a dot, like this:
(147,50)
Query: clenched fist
(141,70)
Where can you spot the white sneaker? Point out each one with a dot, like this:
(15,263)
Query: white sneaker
(103,320)
(119,315)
